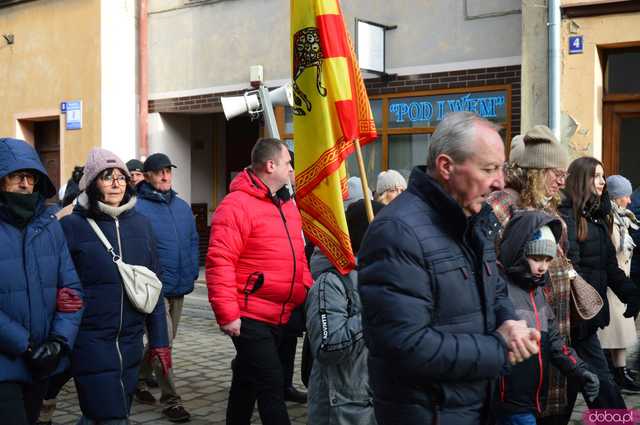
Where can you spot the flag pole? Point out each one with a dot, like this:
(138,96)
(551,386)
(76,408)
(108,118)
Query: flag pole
(363,180)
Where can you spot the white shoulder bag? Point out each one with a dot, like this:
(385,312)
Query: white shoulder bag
(141,284)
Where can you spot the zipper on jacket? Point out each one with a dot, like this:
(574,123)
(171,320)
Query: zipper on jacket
(26,275)
(175,232)
(124,396)
(538,328)
(293,253)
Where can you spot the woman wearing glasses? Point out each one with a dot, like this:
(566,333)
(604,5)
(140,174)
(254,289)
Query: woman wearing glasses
(108,350)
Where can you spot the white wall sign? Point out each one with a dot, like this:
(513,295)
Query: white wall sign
(74,114)
(370,46)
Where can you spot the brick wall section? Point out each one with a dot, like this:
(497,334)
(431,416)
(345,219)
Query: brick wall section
(454,80)
(199,103)
(400,84)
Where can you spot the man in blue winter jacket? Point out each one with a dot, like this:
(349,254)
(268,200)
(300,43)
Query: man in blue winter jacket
(40,304)
(174,228)
(436,317)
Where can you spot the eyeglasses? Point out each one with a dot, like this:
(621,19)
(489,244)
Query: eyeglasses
(110,178)
(559,174)
(17,177)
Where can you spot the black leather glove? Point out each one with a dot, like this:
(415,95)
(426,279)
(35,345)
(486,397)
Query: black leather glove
(44,360)
(590,385)
(633,308)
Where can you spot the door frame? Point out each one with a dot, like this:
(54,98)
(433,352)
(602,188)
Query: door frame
(615,108)
(22,130)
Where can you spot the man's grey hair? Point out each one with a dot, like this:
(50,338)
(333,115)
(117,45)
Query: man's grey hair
(455,137)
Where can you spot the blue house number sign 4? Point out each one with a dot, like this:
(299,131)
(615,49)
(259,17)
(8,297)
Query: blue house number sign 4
(576,44)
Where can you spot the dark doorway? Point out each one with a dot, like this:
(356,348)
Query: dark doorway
(44,135)
(621,143)
(242,134)
(621,113)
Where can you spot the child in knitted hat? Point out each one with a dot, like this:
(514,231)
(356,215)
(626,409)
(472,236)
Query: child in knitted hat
(528,246)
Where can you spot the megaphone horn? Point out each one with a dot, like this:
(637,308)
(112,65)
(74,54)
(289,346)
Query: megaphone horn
(282,95)
(238,105)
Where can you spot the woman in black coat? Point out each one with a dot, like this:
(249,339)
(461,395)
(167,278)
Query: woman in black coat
(108,350)
(585,209)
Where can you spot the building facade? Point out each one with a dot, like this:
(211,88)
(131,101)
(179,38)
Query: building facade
(79,54)
(600,84)
(444,55)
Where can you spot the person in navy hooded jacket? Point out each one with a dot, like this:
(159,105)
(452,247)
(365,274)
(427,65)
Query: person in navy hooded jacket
(174,228)
(41,302)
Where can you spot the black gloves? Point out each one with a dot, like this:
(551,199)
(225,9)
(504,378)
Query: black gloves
(633,307)
(44,360)
(590,384)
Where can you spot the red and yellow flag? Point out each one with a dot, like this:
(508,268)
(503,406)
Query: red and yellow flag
(331,111)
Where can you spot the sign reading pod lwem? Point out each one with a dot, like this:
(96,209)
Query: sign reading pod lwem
(428,111)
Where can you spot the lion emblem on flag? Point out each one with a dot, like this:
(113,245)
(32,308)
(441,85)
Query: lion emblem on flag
(307,53)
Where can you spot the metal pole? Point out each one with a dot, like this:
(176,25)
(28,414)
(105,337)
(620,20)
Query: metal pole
(267,110)
(554,66)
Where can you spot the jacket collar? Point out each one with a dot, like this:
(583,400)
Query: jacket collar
(247,181)
(146,191)
(116,211)
(40,209)
(106,212)
(431,192)
(43,217)
(595,208)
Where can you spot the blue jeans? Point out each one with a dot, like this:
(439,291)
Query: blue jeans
(517,419)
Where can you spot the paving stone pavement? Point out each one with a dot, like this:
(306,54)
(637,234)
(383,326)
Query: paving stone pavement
(201,358)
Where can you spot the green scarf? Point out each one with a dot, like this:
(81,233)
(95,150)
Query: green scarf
(21,206)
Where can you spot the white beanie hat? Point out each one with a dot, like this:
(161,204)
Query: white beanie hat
(388,180)
(98,160)
(542,243)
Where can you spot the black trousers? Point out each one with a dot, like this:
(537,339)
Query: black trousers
(257,375)
(287,349)
(20,403)
(609,397)
(55,384)
(287,354)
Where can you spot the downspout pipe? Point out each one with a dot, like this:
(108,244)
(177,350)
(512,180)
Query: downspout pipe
(143,66)
(554,65)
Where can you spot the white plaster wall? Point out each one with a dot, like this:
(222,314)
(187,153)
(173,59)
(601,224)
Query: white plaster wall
(171,135)
(210,47)
(118,77)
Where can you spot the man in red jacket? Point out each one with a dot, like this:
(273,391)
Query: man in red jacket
(257,274)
